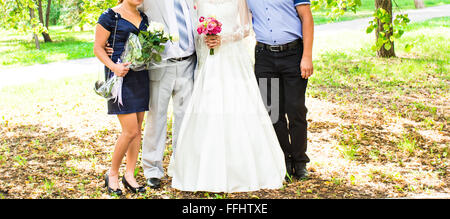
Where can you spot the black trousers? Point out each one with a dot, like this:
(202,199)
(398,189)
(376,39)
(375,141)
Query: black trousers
(281,72)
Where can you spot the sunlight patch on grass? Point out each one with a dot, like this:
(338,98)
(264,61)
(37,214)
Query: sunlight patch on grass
(19,49)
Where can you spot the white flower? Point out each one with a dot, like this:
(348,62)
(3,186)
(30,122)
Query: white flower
(175,38)
(155,27)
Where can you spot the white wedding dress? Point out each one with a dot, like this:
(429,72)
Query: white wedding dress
(226,141)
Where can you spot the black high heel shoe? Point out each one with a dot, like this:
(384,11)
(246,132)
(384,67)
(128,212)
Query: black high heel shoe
(140,189)
(110,190)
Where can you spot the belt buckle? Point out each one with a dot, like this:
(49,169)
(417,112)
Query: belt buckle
(272,48)
(175,59)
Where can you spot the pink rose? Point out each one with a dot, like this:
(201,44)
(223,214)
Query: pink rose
(202,19)
(210,26)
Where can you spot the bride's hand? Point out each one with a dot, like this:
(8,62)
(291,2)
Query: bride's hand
(213,41)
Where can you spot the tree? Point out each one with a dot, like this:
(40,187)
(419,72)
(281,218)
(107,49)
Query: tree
(419,4)
(41,18)
(386,28)
(35,37)
(33,16)
(21,16)
(91,10)
(84,12)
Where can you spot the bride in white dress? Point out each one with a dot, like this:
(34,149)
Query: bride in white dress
(226,141)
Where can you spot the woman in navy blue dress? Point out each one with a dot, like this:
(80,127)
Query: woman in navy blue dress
(120,21)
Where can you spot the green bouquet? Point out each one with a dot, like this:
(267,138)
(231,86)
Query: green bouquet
(144,50)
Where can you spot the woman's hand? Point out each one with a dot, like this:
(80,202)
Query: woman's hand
(121,69)
(213,41)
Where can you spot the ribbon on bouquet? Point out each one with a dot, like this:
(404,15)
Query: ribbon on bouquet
(116,90)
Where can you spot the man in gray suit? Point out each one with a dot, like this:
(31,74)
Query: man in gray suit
(174,81)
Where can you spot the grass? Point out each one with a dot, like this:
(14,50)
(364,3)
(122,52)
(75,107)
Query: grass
(367,9)
(19,49)
(378,128)
(427,56)
(407,144)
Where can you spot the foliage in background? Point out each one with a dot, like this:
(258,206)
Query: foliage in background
(391,29)
(336,8)
(387,29)
(60,145)
(16,16)
(26,16)
(91,10)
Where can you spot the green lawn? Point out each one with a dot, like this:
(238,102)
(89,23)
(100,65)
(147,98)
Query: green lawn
(367,9)
(378,128)
(19,49)
(431,47)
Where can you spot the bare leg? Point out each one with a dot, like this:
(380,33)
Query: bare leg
(133,153)
(130,131)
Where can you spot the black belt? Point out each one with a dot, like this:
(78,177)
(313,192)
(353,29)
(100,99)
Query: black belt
(280,48)
(180,59)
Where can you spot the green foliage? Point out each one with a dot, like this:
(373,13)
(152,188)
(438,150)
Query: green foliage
(90,10)
(18,16)
(336,8)
(153,44)
(150,48)
(389,31)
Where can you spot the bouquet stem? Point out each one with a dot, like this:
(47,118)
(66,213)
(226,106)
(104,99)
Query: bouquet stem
(211,52)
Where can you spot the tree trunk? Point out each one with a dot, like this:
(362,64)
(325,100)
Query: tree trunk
(386,5)
(35,37)
(41,15)
(47,14)
(419,4)
(41,19)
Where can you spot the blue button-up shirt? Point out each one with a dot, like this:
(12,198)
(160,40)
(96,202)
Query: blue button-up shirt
(276,22)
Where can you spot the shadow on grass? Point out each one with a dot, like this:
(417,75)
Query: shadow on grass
(42,162)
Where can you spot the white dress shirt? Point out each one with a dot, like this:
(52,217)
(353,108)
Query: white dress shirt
(173,50)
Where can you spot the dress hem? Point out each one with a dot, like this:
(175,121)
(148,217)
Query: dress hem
(128,112)
(248,189)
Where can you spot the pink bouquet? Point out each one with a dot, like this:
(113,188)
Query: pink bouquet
(209,26)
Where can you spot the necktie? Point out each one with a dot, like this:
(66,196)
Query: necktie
(182,27)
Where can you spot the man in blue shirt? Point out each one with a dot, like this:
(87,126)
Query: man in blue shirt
(284,34)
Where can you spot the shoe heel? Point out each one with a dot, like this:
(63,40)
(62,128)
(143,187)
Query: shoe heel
(106,181)
(125,183)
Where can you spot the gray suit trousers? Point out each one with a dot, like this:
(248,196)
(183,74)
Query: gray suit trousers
(175,81)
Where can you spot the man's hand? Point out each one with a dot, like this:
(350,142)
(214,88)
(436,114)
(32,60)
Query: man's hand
(109,50)
(306,67)
(213,41)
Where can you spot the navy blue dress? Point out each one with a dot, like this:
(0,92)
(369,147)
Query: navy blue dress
(135,88)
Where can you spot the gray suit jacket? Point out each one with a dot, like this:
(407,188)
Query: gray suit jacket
(156,11)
